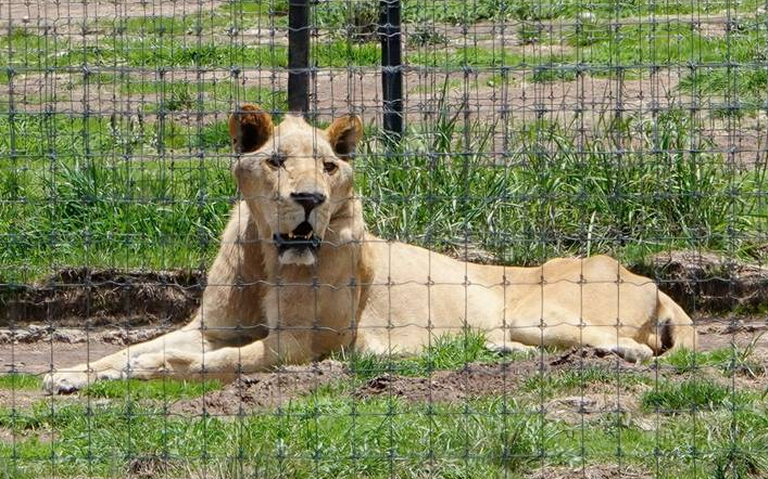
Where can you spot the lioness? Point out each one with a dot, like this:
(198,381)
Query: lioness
(298,277)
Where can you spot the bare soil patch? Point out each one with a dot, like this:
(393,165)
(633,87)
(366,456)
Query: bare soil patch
(717,332)
(9,436)
(581,103)
(475,380)
(603,471)
(19,400)
(127,308)
(255,392)
(39,357)
(70,15)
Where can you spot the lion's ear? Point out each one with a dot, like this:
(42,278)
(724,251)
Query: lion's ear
(343,135)
(249,128)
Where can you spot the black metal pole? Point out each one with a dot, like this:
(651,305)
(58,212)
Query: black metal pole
(298,56)
(391,67)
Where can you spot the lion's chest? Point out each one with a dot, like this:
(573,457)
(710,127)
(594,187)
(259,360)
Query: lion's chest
(322,308)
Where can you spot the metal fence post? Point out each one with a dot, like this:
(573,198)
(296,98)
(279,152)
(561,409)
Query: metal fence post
(298,56)
(391,67)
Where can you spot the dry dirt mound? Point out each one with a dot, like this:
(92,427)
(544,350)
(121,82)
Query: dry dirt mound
(707,281)
(698,281)
(264,390)
(103,297)
(446,386)
(477,380)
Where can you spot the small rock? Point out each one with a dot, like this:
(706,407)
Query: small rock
(70,336)
(578,402)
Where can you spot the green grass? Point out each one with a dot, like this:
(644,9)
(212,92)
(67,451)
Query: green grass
(36,52)
(553,197)
(727,360)
(109,210)
(557,197)
(23,48)
(315,437)
(638,47)
(326,436)
(676,397)
(552,383)
(687,361)
(239,14)
(335,15)
(477,57)
(15,381)
(158,389)
(191,96)
(631,48)
(444,353)
(745,86)
(344,16)
(553,73)
(331,433)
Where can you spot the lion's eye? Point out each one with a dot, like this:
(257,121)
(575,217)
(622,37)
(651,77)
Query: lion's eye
(276,160)
(330,167)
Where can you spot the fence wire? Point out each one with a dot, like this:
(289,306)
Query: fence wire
(317,344)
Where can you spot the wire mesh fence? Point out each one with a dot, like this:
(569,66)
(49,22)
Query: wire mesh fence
(197,282)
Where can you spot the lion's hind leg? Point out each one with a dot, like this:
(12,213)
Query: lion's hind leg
(557,330)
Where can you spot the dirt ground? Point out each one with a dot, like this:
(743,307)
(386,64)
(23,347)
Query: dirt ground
(34,353)
(478,93)
(603,471)
(71,14)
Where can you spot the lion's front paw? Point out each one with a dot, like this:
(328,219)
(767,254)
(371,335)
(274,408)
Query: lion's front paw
(65,382)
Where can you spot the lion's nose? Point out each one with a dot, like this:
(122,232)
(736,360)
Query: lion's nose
(308,200)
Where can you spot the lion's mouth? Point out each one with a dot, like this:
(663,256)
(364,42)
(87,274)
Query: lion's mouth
(301,238)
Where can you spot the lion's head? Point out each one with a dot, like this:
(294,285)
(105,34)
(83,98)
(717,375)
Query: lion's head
(295,178)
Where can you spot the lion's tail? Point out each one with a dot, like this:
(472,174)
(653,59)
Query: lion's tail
(674,330)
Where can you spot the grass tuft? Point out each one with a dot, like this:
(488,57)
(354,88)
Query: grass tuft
(741,458)
(729,361)
(449,351)
(690,395)
(16,381)
(554,382)
(157,389)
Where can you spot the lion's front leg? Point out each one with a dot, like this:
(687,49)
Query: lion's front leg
(228,363)
(172,363)
(123,363)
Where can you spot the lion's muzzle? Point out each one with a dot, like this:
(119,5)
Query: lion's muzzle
(299,246)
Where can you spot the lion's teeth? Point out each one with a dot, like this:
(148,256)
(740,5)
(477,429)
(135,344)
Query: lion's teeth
(290,235)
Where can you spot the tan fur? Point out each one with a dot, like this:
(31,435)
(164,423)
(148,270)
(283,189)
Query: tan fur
(260,309)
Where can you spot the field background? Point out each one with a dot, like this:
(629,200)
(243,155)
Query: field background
(534,129)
